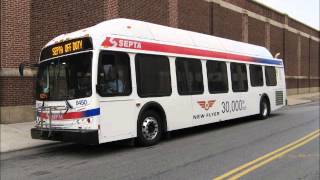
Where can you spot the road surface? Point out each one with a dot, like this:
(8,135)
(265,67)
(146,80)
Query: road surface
(285,146)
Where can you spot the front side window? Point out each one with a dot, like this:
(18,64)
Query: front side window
(217,77)
(114,77)
(189,76)
(239,77)
(271,77)
(64,78)
(153,75)
(256,75)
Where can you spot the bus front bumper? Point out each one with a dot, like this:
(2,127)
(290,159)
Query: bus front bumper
(89,137)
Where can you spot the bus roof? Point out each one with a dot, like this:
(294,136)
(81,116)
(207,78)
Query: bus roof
(139,30)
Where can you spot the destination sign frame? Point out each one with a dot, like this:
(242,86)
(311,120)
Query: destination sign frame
(66,47)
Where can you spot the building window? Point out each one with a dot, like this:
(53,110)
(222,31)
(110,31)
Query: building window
(114,75)
(153,75)
(217,77)
(271,78)
(256,75)
(239,77)
(189,76)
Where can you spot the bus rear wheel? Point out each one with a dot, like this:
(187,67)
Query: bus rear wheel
(149,129)
(264,109)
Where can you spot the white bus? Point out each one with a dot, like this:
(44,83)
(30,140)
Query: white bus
(124,79)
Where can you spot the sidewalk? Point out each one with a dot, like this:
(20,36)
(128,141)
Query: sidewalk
(303,98)
(17,136)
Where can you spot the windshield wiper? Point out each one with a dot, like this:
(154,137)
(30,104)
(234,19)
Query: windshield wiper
(68,105)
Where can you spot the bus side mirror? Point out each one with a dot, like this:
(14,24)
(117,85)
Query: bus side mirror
(21,68)
(31,71)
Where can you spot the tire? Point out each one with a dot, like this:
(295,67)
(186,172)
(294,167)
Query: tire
(264,109)
(150,129)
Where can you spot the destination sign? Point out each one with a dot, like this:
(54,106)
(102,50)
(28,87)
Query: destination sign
(66,47)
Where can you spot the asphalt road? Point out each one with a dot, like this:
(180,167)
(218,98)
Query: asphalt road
(204,152)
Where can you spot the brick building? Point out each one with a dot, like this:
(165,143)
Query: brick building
(26,25)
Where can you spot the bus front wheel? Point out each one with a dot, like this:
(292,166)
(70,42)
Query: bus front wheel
(149,129)
(264,109)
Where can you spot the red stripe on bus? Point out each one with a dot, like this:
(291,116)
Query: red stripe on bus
(58,116)
(149,46)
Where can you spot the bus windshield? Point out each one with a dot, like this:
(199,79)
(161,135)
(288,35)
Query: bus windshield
(65,78)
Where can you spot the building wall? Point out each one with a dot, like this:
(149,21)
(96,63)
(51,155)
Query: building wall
(226,23)
(27,25)
(193,15)
(15,49)
(314,63)
(304,70)
(15,32)
(256,32)
(153,11)
(277,41)
(291,59)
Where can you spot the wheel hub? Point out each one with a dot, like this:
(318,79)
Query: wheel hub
(150,128)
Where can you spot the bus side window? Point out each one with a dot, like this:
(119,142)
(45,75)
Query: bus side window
(239,77)
(189,76)
(114,77)
(271,77)
(153,75)
(217,77)
(256,75)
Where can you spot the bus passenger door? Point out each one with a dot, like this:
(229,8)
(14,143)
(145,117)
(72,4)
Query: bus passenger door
(116,119)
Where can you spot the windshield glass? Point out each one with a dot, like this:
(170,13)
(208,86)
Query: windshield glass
(65,78)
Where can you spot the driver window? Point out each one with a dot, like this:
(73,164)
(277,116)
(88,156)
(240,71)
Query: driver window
(114,77)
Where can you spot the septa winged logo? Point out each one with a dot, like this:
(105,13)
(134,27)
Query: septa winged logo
(109,42)
(206,105)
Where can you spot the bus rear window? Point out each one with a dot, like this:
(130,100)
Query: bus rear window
(271,78)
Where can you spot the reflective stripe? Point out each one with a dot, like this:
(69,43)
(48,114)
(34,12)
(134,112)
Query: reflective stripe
(149,46)
(70,115)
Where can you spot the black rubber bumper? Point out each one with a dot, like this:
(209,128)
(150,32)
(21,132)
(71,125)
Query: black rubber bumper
(67,135)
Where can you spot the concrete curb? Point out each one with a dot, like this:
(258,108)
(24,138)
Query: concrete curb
(53,143)
(303,98)
(298,101)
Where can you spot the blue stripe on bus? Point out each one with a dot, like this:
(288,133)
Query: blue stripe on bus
(91,112)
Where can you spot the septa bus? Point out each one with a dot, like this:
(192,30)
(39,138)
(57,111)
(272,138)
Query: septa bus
(128,79)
